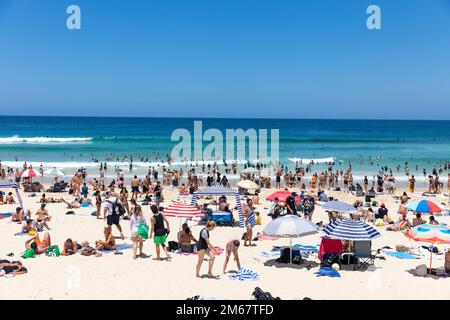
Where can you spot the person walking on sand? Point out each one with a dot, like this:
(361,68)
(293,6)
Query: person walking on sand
(157,222)
(232,247)
(111,212)
(136,220)
(204,247)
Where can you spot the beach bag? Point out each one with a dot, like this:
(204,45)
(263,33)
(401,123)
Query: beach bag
(258,294)
(29,254)
(52,251)
(143,230)
(173,246)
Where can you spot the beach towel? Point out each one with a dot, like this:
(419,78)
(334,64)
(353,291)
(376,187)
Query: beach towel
(6,215)
(270,254)
(217,251)
(18,234)
(245,275)
(327,272)
(262,236)
(120,247)
(401,255)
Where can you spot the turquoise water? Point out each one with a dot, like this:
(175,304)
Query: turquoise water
(67,141)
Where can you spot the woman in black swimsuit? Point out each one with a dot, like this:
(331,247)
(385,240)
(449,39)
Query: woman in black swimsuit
(204,247)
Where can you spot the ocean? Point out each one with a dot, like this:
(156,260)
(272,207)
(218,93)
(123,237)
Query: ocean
(73,142)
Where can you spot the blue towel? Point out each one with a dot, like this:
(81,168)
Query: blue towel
(120,247)
(21,234)
(401,255)
(245,275)
(6,214)
(327,272)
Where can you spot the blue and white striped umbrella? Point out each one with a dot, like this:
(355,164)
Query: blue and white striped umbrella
(339,206)
(346,229)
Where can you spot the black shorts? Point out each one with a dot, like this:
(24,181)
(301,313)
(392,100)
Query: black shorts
(112,219)
(134,189)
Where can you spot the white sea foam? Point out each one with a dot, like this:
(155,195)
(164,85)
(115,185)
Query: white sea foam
(42,140)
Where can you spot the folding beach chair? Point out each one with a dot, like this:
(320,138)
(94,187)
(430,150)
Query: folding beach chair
(363,252)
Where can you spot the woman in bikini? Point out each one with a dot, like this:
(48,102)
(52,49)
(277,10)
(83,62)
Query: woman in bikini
(109,243)
(232,247)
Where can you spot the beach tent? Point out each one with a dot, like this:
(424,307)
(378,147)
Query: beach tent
(218,190)
(16,187)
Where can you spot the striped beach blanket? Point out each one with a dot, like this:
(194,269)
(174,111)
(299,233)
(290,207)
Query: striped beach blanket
(245,275)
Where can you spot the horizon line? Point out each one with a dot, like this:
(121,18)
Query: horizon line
(218,117)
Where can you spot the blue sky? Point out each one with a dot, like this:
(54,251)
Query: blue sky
(214,58)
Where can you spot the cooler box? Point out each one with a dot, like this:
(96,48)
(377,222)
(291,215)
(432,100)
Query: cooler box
(222,217)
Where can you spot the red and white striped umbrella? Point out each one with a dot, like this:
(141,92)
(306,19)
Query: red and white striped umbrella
(29,173)
(182,210)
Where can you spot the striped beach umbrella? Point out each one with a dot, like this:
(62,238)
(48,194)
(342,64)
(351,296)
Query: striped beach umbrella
(435,234)
(29,173)
(423,206)
(182,210)
(346,229)
(339,206)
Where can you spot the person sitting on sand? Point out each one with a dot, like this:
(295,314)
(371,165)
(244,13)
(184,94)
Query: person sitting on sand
(204,247)
(13,268)
(417,221)
(42,216)
(433,221)
(20,215)
(109,243)
(402,224)
(39,246)
(87,250)
(185,238)
(85,201)
(9,199)
(232,247)
(70,247)
(382,213)
(44,199)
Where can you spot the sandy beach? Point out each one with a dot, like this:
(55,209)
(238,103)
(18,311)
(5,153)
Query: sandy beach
(120,277)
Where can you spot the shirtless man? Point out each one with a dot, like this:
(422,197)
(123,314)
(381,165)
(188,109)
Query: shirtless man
(42,216)
(135,183)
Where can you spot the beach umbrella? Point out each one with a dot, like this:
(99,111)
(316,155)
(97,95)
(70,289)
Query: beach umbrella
(55,172)
(434,234)
(247,184)
(290,226)
(182,210)
(29,173)
(423,206)
(353,230)
(339,206)
(250,170)
(281,195)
